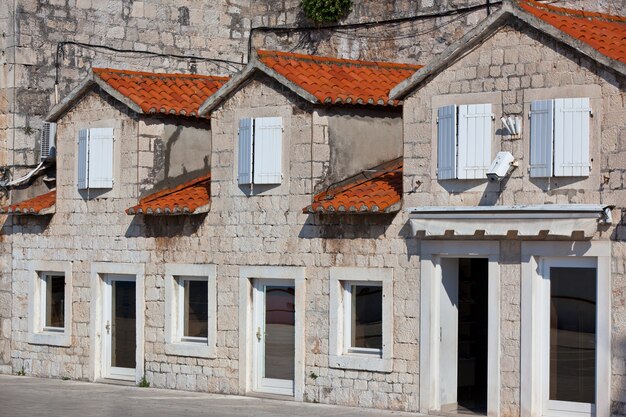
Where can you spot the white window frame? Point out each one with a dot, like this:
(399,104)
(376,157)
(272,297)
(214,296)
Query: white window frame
(175,342)
(38,333)
(535,257)
(341,354)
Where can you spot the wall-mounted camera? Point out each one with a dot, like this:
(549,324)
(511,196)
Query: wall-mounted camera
(501,167)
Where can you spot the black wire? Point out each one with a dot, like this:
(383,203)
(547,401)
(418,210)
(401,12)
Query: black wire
(292,29)
(193,58)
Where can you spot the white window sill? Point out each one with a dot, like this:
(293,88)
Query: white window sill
(361,362)
(63,339)
(197,350)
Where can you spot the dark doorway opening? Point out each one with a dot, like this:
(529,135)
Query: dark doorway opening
(473,333)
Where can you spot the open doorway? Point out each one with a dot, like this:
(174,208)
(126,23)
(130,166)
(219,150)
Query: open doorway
(464,335)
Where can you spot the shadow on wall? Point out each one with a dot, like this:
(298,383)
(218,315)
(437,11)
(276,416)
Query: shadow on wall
(357,226)
(619,233)
(618,407)
(30,225)
(164,226)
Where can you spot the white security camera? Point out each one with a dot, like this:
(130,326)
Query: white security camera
(501,166)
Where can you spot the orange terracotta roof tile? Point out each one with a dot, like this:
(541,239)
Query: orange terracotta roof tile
(176,94)
(374,191)
(192,197)
(343,81)
(603,32)
(40,205)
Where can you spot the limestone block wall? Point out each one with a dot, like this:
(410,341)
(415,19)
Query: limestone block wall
(512,64)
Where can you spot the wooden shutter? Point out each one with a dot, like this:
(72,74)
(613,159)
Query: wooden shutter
(446,142)
(245,152)
(474,141)
(83,154)
(100,158)
(571,137)
(541,138)
(268,150)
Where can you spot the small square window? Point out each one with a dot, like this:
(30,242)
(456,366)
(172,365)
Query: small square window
(53,302)
(193,309)
(364,318)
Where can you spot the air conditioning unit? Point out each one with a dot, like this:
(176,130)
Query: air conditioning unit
(48,144)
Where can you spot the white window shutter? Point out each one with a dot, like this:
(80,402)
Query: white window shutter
(83,154)
(100,158)
(474,153)
(245,152)
(571,137)
(446,142)
(268,150)
(541,138)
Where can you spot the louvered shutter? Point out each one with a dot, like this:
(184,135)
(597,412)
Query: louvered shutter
(100,158)
(571,137)
(474,141)
(245,152)
(446,142)
(541,138)
(48,133)
(83,154)
(268,150)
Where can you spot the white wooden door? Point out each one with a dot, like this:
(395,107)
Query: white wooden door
(449,330)
(274,337)
(119,327)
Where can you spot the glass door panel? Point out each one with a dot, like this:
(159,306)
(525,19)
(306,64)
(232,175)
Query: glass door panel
(279,332)
(123,324)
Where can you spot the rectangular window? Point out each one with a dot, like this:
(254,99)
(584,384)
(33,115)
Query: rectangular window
(572,334)
(464,137)
(95,158)
(193,309)
(365,318)
(53,302)
(260,150)
(559,137)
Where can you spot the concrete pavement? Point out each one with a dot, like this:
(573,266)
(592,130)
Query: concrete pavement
(22,396)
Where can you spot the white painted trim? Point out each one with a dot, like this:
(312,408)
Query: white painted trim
(36,333)
(246,320)
(338,356)
(431,279)
(532,254)
(98,270)
(173,343)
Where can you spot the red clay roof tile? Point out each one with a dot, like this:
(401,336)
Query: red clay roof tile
(177,94)
(40,205)
(379,191)
(343,81)
(191,197)
(603,32)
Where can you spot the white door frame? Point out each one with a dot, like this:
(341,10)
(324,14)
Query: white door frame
(99,271)
(109,371)
(532,402)
(280,275)
(431,282)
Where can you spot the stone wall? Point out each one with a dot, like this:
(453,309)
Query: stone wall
(496,68)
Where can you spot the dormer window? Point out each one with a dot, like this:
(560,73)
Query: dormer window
(260,150)
(95,158)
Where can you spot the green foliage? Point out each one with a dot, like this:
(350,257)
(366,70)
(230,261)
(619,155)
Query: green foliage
(313,376)
(322,11)
(22,372)
(143,383)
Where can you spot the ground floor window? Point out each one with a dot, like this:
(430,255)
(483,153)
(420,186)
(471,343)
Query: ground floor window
(361,318)
(53,301)
(190,304)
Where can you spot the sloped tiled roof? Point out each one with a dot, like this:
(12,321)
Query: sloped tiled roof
(378,190)
(175,94)
(40,205)
(603,32)
(343,81)
(191,197)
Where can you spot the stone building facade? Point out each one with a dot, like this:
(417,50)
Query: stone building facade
(263,235)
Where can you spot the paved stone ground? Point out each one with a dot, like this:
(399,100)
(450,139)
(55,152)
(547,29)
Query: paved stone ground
(22,396)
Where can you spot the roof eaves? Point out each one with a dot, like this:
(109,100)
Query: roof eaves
(58,109)
(574,43)
(225,90)
(117,95)
(452,53)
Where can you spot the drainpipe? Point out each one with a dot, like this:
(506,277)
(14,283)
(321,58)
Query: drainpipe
(488,8)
